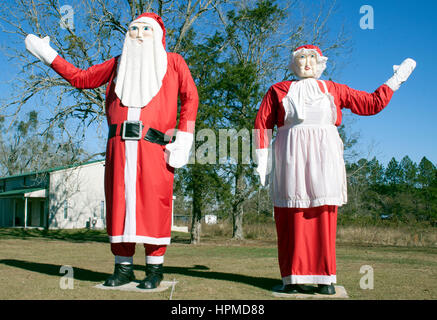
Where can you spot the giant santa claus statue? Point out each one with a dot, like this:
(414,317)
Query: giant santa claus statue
(307,171)
(143,85)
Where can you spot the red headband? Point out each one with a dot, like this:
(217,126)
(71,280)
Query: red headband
(310,47)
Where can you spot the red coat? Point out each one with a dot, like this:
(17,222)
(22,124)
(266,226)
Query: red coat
(271,111)
(154,183)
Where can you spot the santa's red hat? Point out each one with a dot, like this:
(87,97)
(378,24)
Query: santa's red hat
(154,20)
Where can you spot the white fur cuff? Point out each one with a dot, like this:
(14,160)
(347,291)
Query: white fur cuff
(123,260)
(393,83)
(263,168)
(154,259)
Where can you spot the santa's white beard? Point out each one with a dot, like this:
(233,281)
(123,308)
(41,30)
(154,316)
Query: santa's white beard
(140,72)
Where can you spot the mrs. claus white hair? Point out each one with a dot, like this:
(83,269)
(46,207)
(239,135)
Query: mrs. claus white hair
(321,62)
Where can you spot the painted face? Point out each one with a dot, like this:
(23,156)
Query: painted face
(140,31)
(306,64)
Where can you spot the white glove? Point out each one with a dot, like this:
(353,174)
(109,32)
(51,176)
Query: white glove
(401,73)
(179,151)
(40,48)
(264,165)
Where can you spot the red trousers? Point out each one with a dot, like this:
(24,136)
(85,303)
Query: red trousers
(306,244)
(127,249)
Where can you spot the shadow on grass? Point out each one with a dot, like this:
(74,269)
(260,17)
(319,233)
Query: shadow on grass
(76,235)
(197,271)
(53,270)
(81,235)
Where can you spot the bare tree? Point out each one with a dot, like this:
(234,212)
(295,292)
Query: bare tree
(94,33)
(260,37)
(260,45)
(23,149)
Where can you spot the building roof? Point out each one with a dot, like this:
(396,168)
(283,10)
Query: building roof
(50,170)
(20,192)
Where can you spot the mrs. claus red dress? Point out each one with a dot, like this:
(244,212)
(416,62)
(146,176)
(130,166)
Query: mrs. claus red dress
(308,177)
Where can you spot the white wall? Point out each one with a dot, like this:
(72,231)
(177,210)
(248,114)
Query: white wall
(81,191)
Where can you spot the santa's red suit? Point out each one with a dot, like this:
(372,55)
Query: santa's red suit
(308,176)
(138,180)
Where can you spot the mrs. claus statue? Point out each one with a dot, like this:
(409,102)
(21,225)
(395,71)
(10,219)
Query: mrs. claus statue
(306,172)
(143,85)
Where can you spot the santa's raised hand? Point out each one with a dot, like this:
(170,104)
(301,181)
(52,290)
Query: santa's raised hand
(40,48)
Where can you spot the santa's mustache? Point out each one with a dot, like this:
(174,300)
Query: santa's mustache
(141,42)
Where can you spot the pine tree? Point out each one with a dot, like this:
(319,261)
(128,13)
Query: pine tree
(426,173)
(408,171)
(393,173)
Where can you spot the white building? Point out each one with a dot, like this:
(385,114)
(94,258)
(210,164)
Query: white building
(65,198)
(210,219)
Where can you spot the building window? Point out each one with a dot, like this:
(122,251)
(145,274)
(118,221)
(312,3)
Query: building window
(65,209)
(102,209)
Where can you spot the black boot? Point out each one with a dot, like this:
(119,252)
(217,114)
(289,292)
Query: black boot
(297,288)
(326,289)
(123,273)
(154,276)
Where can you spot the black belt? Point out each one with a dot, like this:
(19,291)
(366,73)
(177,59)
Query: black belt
(132,130)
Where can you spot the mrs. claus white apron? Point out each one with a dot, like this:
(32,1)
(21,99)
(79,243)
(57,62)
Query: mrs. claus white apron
(308,182)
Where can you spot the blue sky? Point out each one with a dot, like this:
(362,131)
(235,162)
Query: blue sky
(408,126)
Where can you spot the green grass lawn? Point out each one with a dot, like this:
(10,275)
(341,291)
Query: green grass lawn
(30,263)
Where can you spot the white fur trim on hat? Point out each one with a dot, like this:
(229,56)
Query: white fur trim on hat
(152,22)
